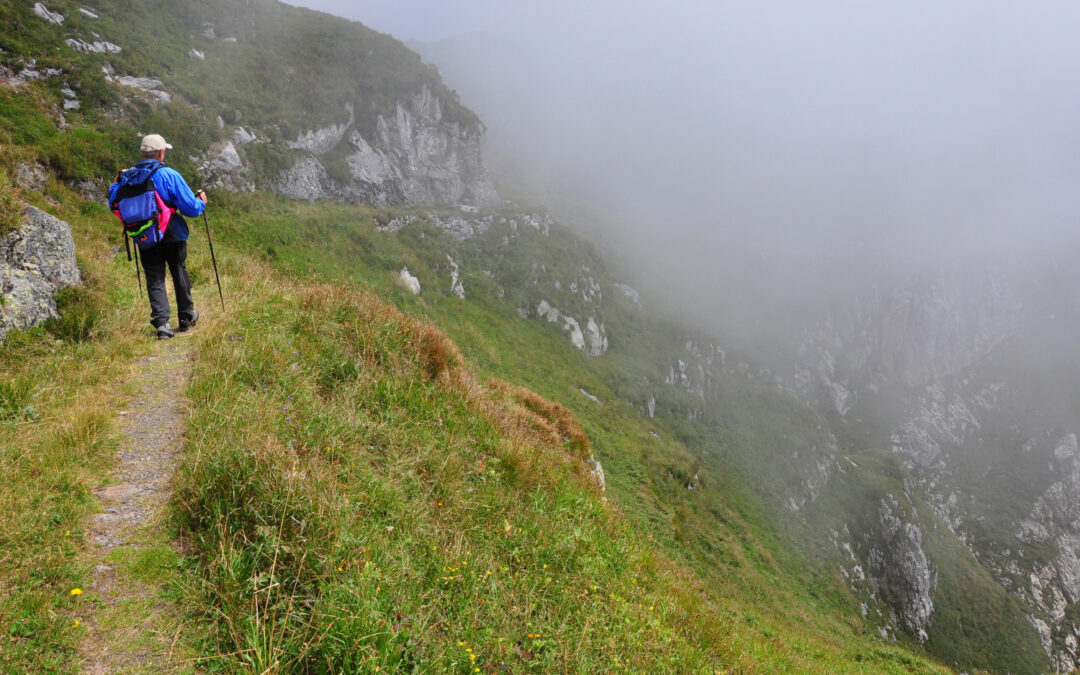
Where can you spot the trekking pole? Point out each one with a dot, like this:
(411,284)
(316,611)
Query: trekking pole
(212,258)
(127,247)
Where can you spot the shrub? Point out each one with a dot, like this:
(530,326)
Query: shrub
(79,309)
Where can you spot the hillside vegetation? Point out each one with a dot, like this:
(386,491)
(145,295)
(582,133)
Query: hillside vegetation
(353,497)
(380,482)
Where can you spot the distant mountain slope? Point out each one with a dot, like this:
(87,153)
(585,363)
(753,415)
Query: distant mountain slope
(260,94)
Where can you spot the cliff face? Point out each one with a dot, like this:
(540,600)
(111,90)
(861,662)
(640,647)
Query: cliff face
(272,96)
(965,378)
(36,261)
(416,157)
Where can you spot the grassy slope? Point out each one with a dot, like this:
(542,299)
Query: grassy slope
(741,454)
(767,620)
(288,504)
(355,525)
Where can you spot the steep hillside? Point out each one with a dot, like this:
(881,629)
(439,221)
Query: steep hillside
(354,497)
(364,491)
(256,93)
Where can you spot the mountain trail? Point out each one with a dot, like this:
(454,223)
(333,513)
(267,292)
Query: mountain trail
(134,627)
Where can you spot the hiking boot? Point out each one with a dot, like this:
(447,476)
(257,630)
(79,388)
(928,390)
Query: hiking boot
(188,323)
(164,332)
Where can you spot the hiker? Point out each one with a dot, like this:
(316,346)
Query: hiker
(171,250)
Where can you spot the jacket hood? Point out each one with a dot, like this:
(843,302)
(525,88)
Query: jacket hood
(142,171)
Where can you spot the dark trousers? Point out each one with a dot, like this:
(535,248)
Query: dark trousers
(173,254)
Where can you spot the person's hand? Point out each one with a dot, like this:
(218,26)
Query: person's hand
(201,195)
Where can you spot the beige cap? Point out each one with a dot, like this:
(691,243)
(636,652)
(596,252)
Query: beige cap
(153,143)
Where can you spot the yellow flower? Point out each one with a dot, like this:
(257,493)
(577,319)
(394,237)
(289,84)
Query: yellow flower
(76,591)
(461,644)
(76,623)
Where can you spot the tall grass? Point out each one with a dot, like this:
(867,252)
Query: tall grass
(58,393)
(359,501)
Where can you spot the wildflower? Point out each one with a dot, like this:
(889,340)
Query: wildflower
(76,623)
(461,644)
(76,591)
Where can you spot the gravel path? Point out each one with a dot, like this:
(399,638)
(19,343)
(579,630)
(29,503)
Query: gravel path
(126,633)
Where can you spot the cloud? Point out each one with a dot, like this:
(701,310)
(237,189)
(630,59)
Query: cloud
(758,144)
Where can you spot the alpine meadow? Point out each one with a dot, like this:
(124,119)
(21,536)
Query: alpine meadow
(431,426)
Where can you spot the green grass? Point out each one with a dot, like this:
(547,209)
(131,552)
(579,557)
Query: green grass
(352,473)
(57,437)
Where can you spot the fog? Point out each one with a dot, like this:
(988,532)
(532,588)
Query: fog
(753,158)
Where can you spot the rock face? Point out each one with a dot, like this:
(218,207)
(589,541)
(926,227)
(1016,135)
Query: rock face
(900,570)
(36,261)
(416,157)
(968,378)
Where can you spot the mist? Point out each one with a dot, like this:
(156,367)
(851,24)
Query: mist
(751,160)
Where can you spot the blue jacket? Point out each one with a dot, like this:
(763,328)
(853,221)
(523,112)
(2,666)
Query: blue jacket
(174,190)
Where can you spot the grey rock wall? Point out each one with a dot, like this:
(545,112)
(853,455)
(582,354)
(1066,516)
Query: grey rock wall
(416,157)
(36,261)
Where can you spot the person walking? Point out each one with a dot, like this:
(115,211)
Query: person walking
(172,250)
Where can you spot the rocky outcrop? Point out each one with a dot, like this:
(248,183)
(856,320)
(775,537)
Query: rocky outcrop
(941,419)
(411,283)
(95,47)
(55,18)
(455,279)
(416,157)
(899,569)
(149,86)
(36,261)
(1054,585)
(593,340)
(224,168)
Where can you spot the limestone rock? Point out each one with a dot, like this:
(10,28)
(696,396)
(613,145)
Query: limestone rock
(36,261)
(148,85)
(415,157)
(52,17)
(901,570)
(95,47)
(409,281)
(455,279)
(224,168)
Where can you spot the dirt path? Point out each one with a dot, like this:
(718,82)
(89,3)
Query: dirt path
(134,627)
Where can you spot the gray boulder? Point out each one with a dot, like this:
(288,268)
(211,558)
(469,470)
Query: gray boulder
(36,261)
